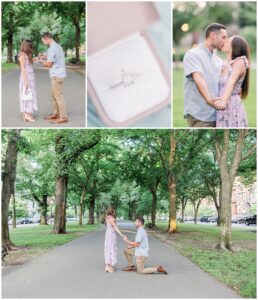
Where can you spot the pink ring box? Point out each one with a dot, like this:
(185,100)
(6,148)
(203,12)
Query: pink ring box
(126,78)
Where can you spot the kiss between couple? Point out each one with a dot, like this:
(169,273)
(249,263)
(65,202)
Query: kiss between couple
(213,88)
(139,248)
(55,62)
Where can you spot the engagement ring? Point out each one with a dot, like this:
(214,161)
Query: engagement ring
(127,79)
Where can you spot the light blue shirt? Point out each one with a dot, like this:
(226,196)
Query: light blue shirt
(55,54)
(201,59)
(142,238)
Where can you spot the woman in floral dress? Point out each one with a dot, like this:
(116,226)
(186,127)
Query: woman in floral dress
(234,84)
(110,249)
(27,81)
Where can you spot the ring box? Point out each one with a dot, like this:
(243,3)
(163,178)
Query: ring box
(118,42)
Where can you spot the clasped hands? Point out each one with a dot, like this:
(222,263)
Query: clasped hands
(40,57)
(219,103)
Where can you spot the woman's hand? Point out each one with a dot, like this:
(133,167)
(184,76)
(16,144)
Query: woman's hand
(221,104)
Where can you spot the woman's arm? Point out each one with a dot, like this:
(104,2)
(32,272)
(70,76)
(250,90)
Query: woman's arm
(23,71)
(238,70)
(112,222)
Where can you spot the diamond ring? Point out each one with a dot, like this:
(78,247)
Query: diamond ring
(127,79)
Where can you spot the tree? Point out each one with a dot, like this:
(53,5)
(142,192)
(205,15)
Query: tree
(14,15)
(68,148)
(9,176)
(232,147)
(142,165)
(74,12)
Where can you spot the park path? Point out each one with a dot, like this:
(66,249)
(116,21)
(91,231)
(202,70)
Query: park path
(76,270)
(74,94)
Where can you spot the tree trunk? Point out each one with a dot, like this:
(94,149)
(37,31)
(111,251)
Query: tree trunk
(43,210)
(81,206)
(172,228)
(195,215)
(9,176)
(60,209)
(153,207)
(196,210)
(183,206)
(183,213)
(76,213)
(77,42)
(10,40)
(130,216)
(14,212)
(134,205)
(91,210)
(218,220)
(225,241)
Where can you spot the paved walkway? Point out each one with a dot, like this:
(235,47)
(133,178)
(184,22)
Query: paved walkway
(76,270)
(74,93)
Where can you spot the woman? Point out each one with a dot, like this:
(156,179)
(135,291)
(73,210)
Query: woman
(234,84)
(27,81)
(110,250)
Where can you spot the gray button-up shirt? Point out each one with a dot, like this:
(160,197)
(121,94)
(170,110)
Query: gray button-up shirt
(55,54)
(142,238)
(201,59)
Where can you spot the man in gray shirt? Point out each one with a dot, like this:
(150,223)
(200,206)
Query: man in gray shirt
(55,62)
(140,249)
(202,69)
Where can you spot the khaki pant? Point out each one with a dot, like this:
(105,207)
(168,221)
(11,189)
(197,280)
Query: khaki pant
(58,103)
(193,122)
(140,261)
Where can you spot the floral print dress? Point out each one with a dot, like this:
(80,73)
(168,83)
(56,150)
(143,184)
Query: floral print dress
(110,247)
(234,115)
(28,106)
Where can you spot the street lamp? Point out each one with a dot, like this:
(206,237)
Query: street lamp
(185,27)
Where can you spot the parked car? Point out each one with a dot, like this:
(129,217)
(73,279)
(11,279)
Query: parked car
(70,219)
(189,218)
(241,220)
(26,221)
(204,219)
(250,220)
(213,219)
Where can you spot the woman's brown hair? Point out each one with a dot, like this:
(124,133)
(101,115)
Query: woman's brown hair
(26,47)
(240,48)
(110,212)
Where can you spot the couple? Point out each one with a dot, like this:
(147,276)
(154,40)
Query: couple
(214,89)
(139,248)
(55,62)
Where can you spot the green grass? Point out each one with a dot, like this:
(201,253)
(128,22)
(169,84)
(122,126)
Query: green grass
(42,236)
(237,270)
(7,67)
(178,100)
(36,240)
(82,59)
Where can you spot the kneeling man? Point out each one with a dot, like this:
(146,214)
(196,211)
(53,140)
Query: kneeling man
(140,249)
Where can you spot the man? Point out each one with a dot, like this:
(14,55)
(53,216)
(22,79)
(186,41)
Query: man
(140,249)
(55,62)
(202,69)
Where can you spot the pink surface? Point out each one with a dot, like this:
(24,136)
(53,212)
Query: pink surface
(111,21)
